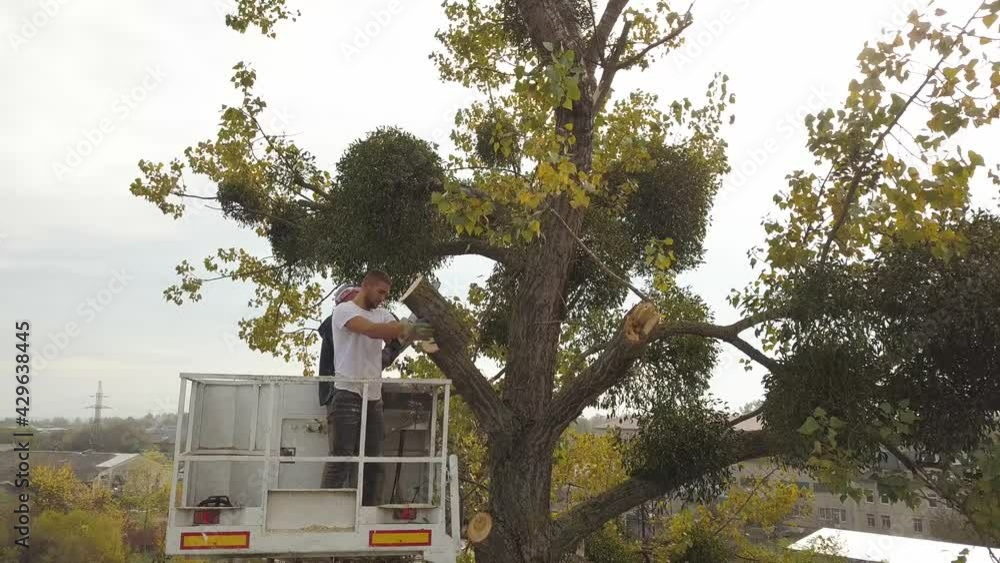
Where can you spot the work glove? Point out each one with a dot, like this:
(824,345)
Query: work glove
(415,331)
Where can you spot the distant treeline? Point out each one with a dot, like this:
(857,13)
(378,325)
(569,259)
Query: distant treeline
(123,435)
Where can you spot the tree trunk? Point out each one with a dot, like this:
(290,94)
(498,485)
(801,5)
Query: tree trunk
(520,488)
(521,459)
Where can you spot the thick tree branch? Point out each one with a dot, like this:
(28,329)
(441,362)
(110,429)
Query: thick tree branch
(599,43)
(590,515)
(548,21)
(638,330)
(754,354)
(725,333)
(452,341)
(745,417)
(482,248)
(916,470)
(617,357)
(610,69)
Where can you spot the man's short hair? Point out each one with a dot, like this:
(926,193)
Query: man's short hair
(376,276)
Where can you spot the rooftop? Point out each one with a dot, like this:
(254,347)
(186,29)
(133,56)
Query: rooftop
(750,424)
(617,422)
(863,546)
(85,465)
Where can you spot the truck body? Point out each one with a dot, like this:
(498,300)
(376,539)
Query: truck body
(248,464)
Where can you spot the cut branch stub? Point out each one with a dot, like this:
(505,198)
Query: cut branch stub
(640,322)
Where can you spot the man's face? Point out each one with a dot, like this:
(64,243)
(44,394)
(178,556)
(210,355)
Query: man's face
(376,293)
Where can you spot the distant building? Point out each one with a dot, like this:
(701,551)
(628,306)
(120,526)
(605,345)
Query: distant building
(163,431)
(932,519)
(626,426)
(94,468)
(164,437)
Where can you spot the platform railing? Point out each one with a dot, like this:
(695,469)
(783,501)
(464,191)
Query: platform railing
(274,382)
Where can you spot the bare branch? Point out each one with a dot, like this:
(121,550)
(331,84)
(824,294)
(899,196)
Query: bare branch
(479,247)
(296,174)
(325,297)
(614,62)
(301,329)
(952,501)
(496,377)
(754,354)
(239,273)
(686,21)
(745,417)
(192,196)
(746,501)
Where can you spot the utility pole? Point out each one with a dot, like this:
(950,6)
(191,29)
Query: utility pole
(98,406)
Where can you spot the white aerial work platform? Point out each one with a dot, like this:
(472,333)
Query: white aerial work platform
(252,454)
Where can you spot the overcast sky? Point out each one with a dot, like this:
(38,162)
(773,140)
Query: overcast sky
(91,87)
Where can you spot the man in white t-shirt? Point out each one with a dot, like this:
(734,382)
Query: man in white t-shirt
(359,327)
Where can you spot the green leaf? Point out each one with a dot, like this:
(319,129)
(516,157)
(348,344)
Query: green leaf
(898,103)
(809,427)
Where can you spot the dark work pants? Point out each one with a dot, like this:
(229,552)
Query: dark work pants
(343,416)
